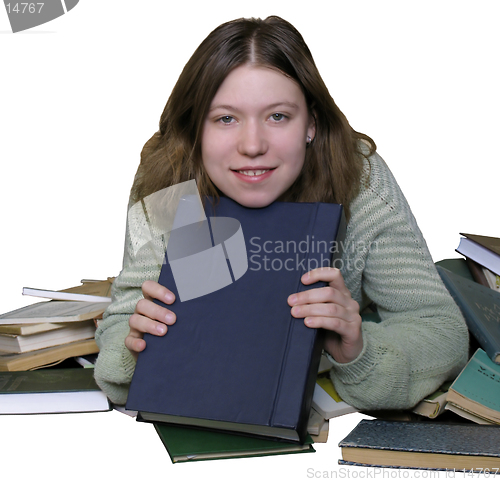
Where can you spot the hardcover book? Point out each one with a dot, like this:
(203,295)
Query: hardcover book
(10,362)
(58,390)
(236,359)
(481,309)
(475,394)
(422,445)
(67,333)
(484,250)
(188,444)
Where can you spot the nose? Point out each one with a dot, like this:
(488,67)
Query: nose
(252,140)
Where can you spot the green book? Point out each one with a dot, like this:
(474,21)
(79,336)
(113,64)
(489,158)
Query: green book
(457,266)
(51,390)
(475,394)
(188,444)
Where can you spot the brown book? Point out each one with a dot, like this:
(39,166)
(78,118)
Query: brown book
(484,250)
(30,329)
(477,273)
(47,356)
(67,333)
(489,242)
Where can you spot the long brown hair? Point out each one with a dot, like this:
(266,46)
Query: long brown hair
(333,165)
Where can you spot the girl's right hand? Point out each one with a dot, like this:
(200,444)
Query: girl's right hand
(149,317)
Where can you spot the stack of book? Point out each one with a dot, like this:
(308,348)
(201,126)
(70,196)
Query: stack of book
(474,395)
(482,254)
(45,333)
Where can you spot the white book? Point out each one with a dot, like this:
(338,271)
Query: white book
(54,312)
(327,407)
(65,296)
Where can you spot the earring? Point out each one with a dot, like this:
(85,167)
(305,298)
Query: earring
(309,140)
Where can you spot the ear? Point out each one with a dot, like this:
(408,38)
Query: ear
(311,130)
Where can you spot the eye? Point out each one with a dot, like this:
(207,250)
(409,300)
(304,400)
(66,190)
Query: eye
(277,116)
(227,119)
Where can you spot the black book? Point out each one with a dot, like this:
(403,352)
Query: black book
(236,359)
(423,445)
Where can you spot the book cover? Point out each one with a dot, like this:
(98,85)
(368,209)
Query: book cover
(54,312)
(422,445)
(458,266)
(477,389)
(434,404)
(93,291)
(489,242)
(51,391)
(326,401)
(481,251)
(188,444)
(481,309)
(236,359)
(11,362)
(66,333)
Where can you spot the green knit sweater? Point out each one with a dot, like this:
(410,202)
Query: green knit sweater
(421,341)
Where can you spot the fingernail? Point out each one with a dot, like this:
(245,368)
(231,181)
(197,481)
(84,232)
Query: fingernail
(169,318)
(292,299)
(162,329)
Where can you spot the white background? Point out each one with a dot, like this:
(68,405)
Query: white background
(82,94)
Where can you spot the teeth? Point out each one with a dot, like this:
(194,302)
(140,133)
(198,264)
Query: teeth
(254,173)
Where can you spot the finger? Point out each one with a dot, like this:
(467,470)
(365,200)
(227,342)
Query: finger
(142,324)
(349,332)
(134,344)
(330,310)
(153,290)
(326,294)
(151,310)
(332,276)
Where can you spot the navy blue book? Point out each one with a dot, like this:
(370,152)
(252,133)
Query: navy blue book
(236,360)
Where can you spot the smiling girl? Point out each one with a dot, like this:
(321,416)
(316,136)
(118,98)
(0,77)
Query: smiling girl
(251,119)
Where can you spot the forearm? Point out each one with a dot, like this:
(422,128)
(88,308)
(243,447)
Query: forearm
(115,364)
(403,360)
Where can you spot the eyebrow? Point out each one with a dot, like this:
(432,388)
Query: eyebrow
(271,106)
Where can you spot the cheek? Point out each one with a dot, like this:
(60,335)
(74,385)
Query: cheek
(293,152)
(214,147)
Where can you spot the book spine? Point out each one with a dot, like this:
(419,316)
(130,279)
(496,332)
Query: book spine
(294,375)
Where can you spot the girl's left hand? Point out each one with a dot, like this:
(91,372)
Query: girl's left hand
(333,309)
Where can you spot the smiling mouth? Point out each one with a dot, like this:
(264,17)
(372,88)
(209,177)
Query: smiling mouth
(253,172)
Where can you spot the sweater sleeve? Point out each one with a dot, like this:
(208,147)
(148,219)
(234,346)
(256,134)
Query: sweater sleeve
(115,364)
(422,339)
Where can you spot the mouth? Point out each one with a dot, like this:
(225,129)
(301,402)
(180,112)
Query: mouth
(252,172)
(253,175)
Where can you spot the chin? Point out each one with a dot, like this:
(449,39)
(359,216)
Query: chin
(254,201)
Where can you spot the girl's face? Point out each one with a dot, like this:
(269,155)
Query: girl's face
(254,137)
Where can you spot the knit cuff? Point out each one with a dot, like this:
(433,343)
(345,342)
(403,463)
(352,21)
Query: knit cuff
(128,363)
(356,370)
